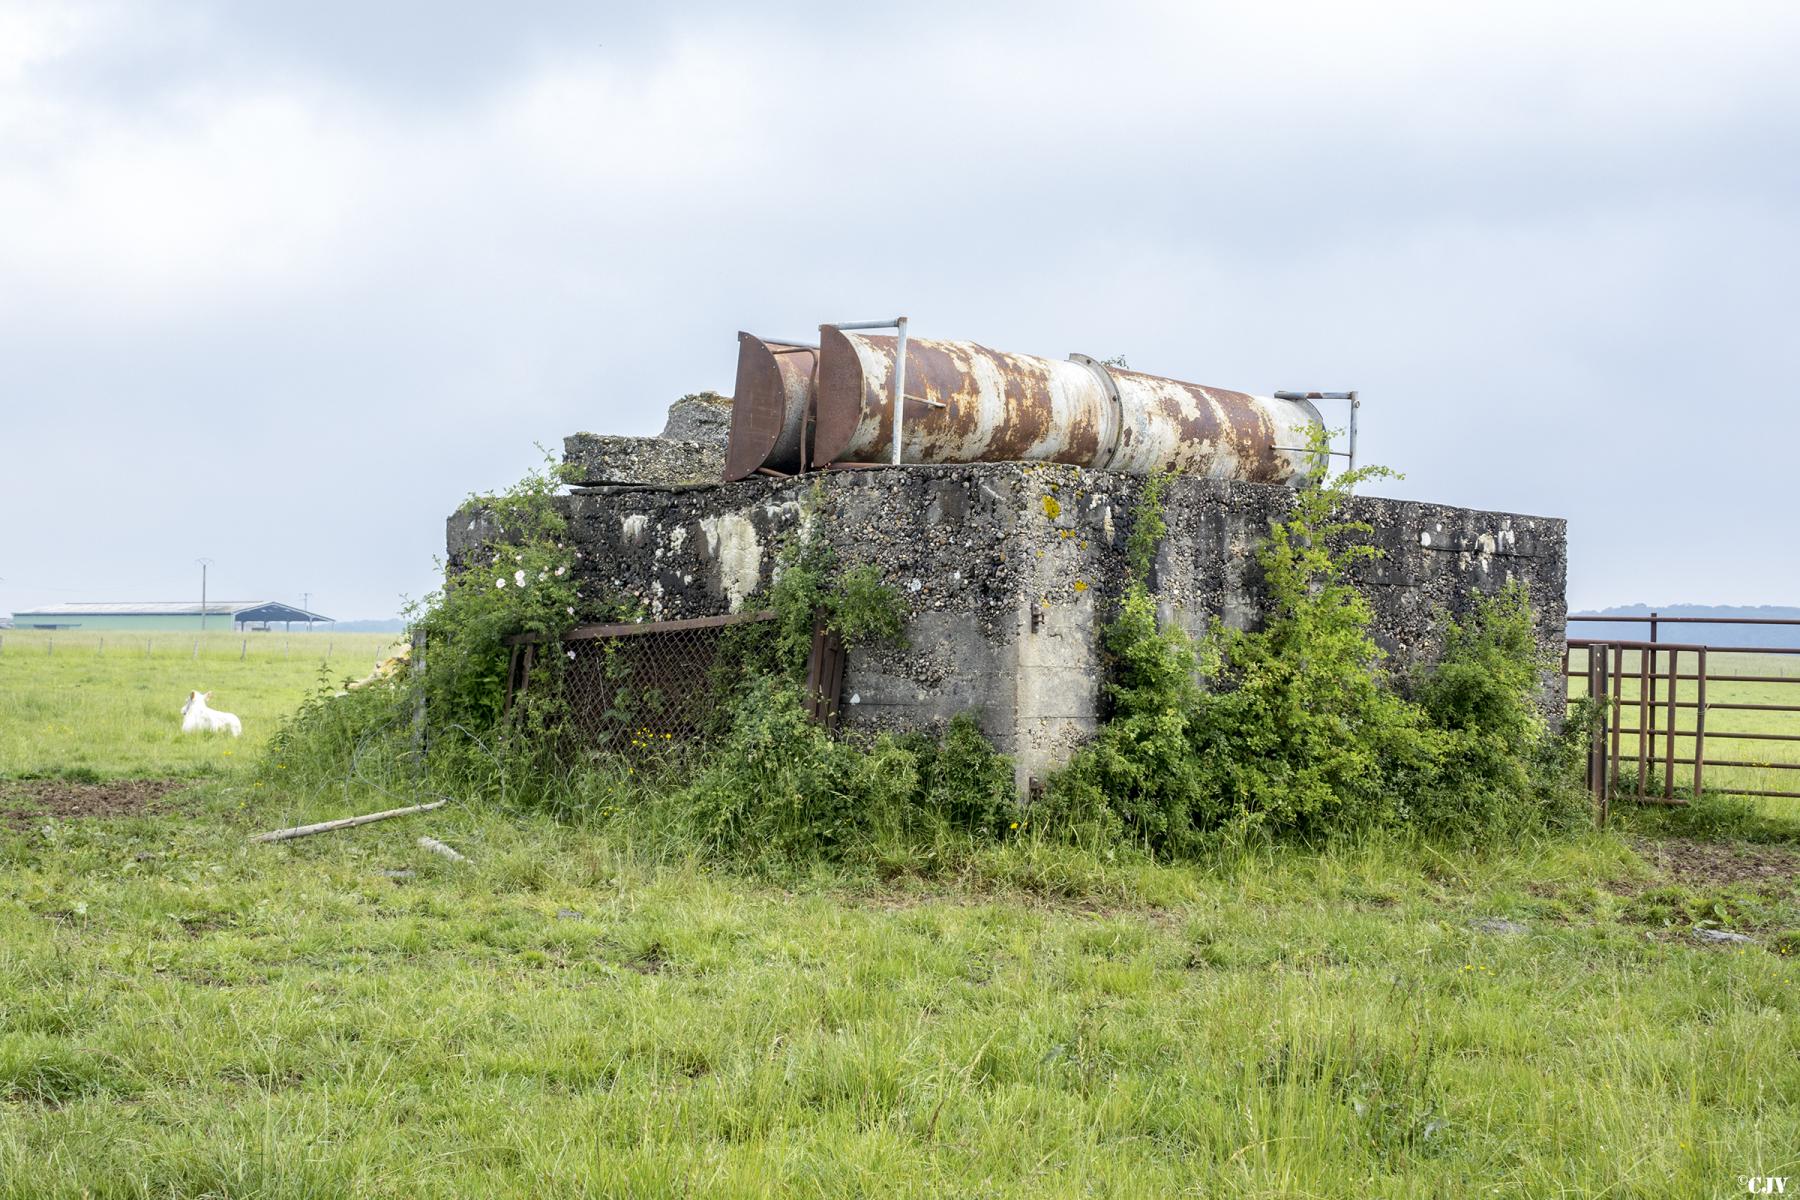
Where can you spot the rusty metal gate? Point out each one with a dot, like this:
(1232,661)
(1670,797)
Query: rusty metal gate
(638,685)
(1658,704)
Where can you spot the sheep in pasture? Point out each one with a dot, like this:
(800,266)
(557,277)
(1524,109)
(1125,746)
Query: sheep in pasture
(196,717)
(387,668)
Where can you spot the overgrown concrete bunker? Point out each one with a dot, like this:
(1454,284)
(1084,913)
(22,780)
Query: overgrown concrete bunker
(1008,570)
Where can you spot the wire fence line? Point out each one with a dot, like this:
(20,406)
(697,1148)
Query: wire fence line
(210,646)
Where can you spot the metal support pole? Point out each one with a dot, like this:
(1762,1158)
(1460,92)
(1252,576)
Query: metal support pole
(899,387)
(1355,404)
(204,563)
(899,324)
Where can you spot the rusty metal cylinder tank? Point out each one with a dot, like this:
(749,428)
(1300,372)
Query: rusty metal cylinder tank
(770,406)
(967,403)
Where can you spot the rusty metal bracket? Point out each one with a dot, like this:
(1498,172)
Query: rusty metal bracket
(1112,393)
(1306,397)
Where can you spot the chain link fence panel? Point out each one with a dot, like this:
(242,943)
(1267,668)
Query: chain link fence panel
(631,687)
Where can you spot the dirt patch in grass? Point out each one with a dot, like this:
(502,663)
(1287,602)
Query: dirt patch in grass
(24,802)
(1715,864)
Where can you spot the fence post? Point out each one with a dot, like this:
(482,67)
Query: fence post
(1599,763)
(1700,722)
(196,649)
(1645,674)
(1654,680)
(244,650)
(417,671)
(1669,737)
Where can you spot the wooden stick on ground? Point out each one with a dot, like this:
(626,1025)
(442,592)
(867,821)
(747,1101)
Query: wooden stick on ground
(437,847)
(282,835)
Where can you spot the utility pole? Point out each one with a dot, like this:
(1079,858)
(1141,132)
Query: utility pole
(204,563)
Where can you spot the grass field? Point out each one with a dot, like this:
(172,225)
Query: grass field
(183,1013)
(109,705)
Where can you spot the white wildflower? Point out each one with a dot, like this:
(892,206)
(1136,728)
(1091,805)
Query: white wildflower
(571,610)
(500,583)
(571,654)
(559,571)
(519,578)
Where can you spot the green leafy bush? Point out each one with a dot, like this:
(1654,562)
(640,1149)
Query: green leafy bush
(521,581)
(1296,728)
(779,789)
(1500,767)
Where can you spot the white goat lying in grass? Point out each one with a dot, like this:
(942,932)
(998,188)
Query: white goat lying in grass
(197,718)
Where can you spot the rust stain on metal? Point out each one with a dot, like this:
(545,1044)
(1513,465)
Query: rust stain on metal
(969,403)
(769,407)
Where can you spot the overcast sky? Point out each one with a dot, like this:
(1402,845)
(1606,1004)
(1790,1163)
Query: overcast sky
(281,283)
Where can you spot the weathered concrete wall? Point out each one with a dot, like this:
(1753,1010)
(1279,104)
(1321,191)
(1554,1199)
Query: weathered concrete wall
(690,449)
(1011,569)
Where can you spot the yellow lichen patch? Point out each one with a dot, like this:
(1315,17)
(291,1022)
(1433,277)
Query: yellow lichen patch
(1052,508)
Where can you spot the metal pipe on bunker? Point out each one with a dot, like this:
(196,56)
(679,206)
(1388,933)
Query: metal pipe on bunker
(976,404)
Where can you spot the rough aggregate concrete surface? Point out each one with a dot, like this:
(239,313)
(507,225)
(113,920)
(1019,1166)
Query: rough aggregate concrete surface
(604,458)
(701,417)
(1010,571)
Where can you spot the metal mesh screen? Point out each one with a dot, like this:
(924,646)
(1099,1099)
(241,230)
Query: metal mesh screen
(630,687)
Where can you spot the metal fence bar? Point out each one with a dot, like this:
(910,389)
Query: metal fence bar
(1645,708)
(1700,724)
(1747,737)
(1619,675)
(1657,696)
(1735,762)
(644,628)
(1597,756)
(1662,620)
(1669,740)
(1726,705)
